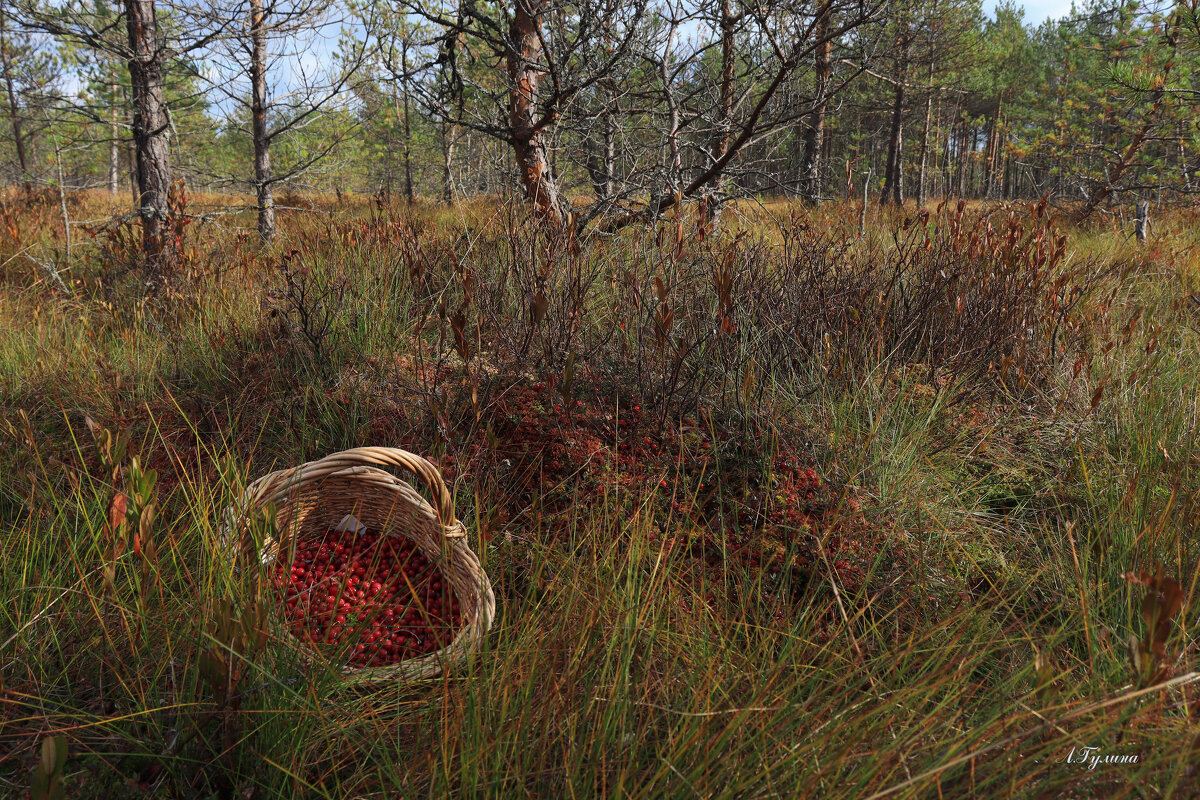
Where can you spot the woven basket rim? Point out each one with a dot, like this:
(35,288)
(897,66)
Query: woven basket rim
(457,561)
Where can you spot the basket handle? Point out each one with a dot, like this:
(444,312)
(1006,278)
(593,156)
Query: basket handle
(393,457)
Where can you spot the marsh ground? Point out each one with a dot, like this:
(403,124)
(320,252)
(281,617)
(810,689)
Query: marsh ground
(775,510)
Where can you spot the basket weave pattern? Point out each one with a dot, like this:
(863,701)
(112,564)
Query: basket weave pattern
(313,497)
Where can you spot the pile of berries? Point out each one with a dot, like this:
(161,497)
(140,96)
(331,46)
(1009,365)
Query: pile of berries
(377,597)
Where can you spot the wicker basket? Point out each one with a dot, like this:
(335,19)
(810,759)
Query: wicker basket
(314,497)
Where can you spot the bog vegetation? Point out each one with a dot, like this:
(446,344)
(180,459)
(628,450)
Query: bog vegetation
(787,485)
(775,509)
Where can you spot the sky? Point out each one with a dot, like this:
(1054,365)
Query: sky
(1036,11)
(318,52)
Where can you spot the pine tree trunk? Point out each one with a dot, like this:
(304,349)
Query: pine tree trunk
(391,139)
(602,156)
(814,134)
(988,159)
(953,159)
(14,109)
(524,59)
(150,132)
(892,182)
(131,159)
(1113,173)
(963,157)
(724,121)
(258,119)
(972,162)
(408,182)
(970,139)
(1116,171)
(925,141)
(991,177)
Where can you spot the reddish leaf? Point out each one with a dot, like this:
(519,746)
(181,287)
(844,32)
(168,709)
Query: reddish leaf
(538,304)
(116,511)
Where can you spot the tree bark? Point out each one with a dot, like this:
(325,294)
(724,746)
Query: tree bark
(258,119)
(529,147)
(114,147)
(131,159)
(925,141)
(993,152)
(14,109)
(660,204)
(966,152)
(1101,192)
(814,134)
(449,139)
(1183,164)
(956,165)
(892,183)
(610,153)
(150,132)
(724,121)
(675,163)
(408,183)
(602,156)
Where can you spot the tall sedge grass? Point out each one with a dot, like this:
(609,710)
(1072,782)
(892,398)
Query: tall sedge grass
(615,669)
(985,649)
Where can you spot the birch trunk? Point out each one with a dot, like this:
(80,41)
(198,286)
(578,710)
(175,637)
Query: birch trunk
(114,147)
(449,139)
